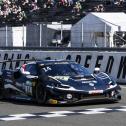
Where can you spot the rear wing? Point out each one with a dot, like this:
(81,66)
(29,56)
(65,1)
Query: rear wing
(18,60)
(11,64)
(15,63)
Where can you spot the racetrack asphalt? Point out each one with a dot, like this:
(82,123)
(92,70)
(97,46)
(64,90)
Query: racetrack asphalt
(18,113)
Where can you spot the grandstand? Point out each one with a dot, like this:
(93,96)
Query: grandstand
(24,12)
(16,12)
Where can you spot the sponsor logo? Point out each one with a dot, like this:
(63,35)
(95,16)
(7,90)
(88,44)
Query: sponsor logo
(95,91)
(52,101)
(114,65)
(65,78)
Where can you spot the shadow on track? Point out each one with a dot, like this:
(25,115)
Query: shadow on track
(31,103)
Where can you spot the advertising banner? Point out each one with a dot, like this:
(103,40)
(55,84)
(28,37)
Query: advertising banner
(113,63)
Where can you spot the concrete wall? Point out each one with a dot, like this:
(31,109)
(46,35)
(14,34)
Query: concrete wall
(113,63)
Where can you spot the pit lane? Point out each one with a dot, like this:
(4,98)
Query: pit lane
(100,114)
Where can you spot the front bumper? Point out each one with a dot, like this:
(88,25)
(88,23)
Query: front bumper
(70,97)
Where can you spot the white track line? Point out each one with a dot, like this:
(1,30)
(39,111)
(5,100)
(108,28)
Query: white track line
(123,87)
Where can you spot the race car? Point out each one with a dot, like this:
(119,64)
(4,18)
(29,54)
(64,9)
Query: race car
(57,82)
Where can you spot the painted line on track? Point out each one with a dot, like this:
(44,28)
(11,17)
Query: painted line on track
(52,114)
(124,87)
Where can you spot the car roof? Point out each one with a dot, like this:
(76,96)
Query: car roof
(49,62)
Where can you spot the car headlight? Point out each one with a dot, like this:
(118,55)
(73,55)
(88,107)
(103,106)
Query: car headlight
(112,84)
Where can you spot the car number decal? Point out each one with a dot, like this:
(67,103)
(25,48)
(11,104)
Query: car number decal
(47,69)
(27,87)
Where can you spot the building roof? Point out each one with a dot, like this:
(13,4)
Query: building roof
(97,21)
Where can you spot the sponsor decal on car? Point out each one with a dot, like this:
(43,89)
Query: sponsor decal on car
(95,91)
(65,78)
(28,87)
(52,101)
(8,81)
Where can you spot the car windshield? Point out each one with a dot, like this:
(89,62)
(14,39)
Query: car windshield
(65,69)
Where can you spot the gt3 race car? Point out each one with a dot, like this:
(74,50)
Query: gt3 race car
(57,82)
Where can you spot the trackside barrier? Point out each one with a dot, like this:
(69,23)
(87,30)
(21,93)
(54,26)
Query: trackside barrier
(111,61)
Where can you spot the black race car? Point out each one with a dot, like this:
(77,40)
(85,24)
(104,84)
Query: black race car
(57,82)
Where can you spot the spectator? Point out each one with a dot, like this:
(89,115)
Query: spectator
(20,10)
(99,8)
(77,7)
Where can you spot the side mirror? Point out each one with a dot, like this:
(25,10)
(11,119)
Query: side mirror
(96,70)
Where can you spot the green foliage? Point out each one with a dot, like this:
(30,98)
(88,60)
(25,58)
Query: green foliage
(1,2)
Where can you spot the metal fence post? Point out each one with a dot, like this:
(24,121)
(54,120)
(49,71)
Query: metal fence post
(23,36)
(40,33)
(82,34)
(105,41)
(6,36)
(61,30)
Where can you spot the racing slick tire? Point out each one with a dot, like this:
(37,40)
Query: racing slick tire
(40,94)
